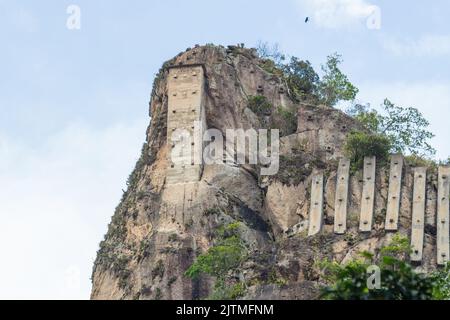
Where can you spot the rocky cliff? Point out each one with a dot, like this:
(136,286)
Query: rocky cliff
(159,228)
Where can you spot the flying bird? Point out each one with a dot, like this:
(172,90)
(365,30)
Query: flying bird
(307,19)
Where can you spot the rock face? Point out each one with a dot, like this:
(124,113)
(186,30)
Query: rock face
(159,227)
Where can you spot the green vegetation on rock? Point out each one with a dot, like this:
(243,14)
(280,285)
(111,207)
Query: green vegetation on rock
(302,80)
(361,144)
(399,280)
(271,117)
(222,261)
(396,130)
(260,106)
(405,127)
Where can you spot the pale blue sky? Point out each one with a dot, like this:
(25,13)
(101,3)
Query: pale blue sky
(74,104)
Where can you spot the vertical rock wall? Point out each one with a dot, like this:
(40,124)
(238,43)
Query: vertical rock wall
(170,215)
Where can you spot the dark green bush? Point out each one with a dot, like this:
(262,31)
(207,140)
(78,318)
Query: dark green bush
(218,259)
(301,77)
(361,144)
(441,288)
(259,105)
(221,261)
(399,280)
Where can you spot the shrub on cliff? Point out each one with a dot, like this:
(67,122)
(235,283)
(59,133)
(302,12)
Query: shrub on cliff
(301,77)
(405,127)
(303,81)
(221,261)
(441,288)
(395,130)
(260,105)
(398,279)
(361,144)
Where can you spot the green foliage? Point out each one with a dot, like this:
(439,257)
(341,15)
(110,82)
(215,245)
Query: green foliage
(360,144)
(221,261)
(399,247)
(228,231)
(369,118)
(303,81)
(335,86)
(397,130)
(301,77)
(260,105)
(237,290)
(222,291)
(271,67)
(406,128)
(347,282)
(399,281)
(275,279)
(441,278)
(419,161)
(422,161)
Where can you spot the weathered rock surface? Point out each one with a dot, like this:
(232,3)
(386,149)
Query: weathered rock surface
(158,229)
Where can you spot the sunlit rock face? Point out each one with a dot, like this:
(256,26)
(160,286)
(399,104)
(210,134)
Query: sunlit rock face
(170,214)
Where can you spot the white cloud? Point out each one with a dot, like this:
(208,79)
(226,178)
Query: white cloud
(426,45)
(335,14)
(431,98)
(55,204)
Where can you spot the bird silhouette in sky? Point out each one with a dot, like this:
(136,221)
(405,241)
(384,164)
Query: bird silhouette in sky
(307,19)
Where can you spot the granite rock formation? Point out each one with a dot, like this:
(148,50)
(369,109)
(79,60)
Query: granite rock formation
(159,229)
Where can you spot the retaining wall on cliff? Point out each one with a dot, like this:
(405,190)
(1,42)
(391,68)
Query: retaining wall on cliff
(185,123)
(393,204)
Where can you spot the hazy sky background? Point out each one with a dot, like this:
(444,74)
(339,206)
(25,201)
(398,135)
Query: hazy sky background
(74,104)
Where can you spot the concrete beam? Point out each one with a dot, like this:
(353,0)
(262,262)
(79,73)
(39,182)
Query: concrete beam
(395,186)
(316,208)
(368,195)
(341,198)
(185,106)
(442,236)
(418,213)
